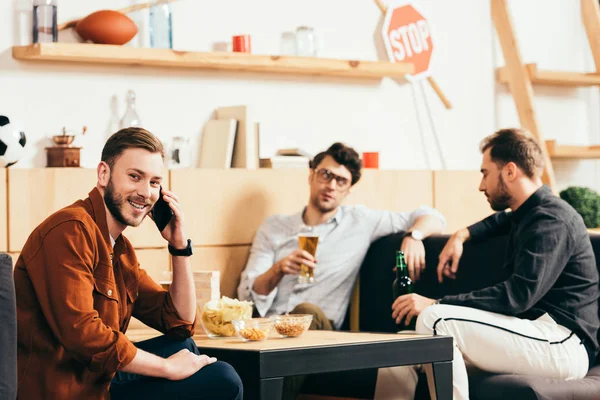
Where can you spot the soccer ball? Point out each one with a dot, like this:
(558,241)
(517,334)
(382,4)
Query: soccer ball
(12,143)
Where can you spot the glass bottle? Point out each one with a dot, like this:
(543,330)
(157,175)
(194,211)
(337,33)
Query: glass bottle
(161,25)
(130,118)
(45,26)
(288,44)
(306,42)
(24,20)
(402,284)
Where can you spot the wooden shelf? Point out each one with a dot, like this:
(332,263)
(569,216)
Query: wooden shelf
(567,152)
(554,78)
(120,55)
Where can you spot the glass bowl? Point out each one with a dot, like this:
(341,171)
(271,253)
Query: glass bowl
(255,329)
(217,316)
(291,325)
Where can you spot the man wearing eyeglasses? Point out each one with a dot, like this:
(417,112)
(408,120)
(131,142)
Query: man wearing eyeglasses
(345,234)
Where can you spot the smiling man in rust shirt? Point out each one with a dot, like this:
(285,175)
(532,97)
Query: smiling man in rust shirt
(78,282)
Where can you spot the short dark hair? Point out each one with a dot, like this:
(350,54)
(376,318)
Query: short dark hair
(344,155)
(130,138)
(515,145)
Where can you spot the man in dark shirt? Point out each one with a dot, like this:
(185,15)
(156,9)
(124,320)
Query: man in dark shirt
(543,320)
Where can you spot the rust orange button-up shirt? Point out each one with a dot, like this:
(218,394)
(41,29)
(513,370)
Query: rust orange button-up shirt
(75,296)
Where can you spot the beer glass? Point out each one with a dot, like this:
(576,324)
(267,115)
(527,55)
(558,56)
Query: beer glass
(308,243)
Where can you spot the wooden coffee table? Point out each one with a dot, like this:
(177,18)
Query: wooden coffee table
(263,365)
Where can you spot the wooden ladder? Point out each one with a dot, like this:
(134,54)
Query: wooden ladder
(520,78)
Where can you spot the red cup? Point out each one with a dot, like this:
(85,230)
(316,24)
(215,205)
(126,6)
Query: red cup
(370,159)
(241,44)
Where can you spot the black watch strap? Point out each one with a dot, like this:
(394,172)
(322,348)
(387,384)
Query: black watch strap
(188,251)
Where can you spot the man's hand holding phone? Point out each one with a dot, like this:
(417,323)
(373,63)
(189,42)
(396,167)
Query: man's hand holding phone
(168,216)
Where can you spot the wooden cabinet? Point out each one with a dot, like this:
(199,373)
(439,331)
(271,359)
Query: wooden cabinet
(36,193)
(226,207)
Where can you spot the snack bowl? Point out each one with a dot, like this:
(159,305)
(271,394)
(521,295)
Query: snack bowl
(218,315)
(291,325)
(254,329)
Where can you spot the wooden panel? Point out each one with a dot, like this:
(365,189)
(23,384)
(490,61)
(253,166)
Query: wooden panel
(393,190)
(519,81)
(34,194)
(156,262)
(3,211)
(120,55)
(230,260)
(456,195)
(227,206)
(14,256)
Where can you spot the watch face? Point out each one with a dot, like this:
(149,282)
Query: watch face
(417,234)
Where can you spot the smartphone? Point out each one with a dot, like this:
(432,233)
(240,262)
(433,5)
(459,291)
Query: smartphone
(161,212)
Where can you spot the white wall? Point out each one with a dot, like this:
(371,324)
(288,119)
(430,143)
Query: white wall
(306,112)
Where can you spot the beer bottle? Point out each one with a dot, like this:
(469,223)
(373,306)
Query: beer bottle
(402,284)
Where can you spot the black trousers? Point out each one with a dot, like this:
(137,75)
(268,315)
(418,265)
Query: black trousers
(217,381)
(8,331)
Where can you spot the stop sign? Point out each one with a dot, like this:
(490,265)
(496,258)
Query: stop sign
(407,37)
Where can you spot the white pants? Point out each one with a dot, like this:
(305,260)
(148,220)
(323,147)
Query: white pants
(491,342)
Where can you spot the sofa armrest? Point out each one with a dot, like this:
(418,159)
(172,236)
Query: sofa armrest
(8,333)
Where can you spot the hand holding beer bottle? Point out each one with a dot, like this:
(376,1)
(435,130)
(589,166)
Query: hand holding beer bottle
(402,284)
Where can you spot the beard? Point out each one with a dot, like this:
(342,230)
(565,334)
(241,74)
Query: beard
(501,200)
(114,202)
(321,207)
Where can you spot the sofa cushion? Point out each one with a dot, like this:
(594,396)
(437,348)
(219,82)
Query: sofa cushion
(500,387)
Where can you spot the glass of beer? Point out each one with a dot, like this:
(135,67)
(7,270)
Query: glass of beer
(308,243)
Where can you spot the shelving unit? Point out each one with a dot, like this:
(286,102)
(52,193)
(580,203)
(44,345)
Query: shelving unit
(520,78)
(119,55)
(554,78)
(569,152)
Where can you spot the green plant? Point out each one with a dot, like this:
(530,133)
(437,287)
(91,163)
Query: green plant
(586,202)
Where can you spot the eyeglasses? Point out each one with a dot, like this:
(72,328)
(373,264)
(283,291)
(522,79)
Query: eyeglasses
(325,176)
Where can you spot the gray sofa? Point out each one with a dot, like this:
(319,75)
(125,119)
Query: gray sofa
(480,266)
(8,332)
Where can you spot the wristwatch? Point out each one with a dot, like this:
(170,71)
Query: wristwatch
(415,234)
(188,251)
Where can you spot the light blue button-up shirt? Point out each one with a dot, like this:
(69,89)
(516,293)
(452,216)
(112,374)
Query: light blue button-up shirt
(343,243)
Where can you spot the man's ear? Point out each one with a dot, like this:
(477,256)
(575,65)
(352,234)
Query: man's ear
(311,173)
(510,171)
(103,174)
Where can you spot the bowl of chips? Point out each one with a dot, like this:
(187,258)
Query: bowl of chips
(217,316)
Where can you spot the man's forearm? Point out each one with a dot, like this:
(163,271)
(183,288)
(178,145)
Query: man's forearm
(268,281)
(183,291)
(428,225)
(147,364)
(462,234)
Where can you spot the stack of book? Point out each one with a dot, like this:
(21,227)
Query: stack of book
(287,158)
